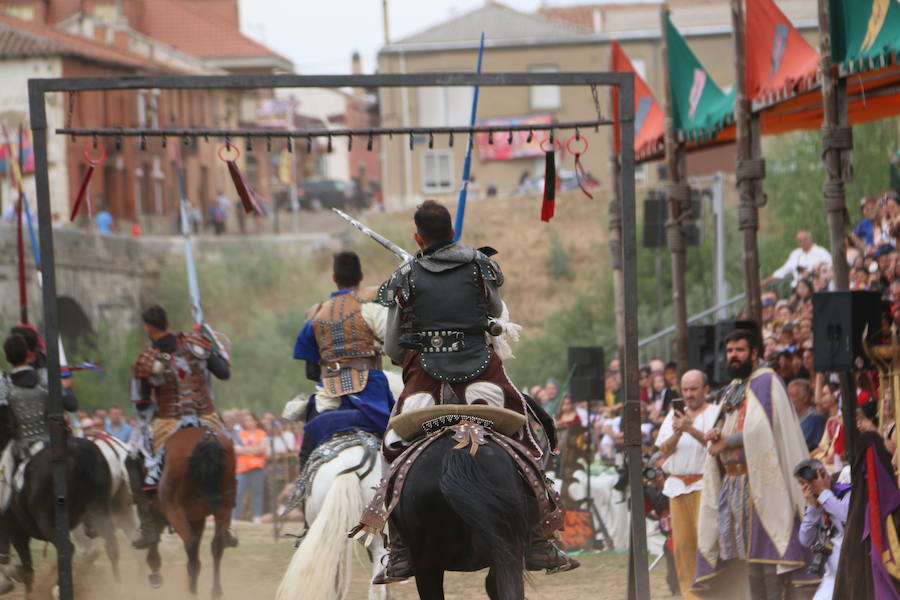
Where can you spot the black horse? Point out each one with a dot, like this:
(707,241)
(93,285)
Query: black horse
(460,512)
(31,513)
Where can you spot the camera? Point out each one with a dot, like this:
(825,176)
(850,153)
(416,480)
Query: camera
(820,553)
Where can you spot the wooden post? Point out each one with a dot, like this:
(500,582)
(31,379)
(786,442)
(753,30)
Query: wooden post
(750,168)
(678,195)
(615,249)
(837,140)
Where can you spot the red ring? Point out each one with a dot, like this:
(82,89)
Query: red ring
(557,145)
(87,153)
(227,147)
(575,139)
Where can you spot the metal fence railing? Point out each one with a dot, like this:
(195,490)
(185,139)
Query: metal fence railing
(660,343)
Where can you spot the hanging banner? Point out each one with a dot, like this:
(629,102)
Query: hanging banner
(778,59)
(649,121)
(9,162)
(700,108)
(865,34)
(518,147)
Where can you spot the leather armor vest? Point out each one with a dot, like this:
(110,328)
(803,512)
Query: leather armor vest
(29,410)
(446,315)
(346,344)
(179,379)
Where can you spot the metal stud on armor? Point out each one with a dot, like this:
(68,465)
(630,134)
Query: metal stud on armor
(346,344)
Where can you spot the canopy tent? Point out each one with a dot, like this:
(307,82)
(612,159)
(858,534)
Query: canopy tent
(865,34)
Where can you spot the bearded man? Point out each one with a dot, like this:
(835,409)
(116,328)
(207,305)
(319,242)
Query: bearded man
(751,505)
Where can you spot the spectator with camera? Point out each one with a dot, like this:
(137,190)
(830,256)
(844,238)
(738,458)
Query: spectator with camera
(822,528)
(682,442)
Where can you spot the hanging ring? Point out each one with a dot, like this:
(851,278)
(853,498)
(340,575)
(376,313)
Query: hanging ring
(95,146)
(228,147)
(576,151)
(555,145)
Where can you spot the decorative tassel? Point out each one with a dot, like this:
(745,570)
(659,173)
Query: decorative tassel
(549,203)
(580,172)
(84,191)
(245,191)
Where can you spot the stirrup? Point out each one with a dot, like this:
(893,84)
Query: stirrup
(398,568)
(545,555)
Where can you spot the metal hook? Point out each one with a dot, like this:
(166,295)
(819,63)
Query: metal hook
(450,139)
(228,143)
(412,142)
(309,144)
(186,141)
(509,138)
(349,142)
(369,143)
(430,140)
(206,137)
(551,135)
(290,145)
(165,140)
(330,144)
(269,143)
(577,134)
(248,145)
(95,141)
(490,138)
(530,136)
(118,141)
(143,142)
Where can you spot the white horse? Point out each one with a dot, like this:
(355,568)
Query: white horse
(321,568)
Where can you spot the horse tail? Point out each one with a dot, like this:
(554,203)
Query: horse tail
(206,466)
(91,468)
(321,567)
(496,511)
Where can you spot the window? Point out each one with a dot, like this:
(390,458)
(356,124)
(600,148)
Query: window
(444,106)
(545,97)
(437,171)
(24,13)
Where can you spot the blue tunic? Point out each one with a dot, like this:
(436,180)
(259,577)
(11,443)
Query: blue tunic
(368,410)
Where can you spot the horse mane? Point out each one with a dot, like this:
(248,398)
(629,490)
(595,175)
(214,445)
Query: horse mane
(206,466)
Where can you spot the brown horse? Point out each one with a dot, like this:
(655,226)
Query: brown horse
(198,480)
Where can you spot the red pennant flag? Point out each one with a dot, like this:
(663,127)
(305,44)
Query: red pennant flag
(649,122)
(778,59)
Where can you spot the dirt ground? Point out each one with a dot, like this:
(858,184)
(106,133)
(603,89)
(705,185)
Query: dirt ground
(253,571)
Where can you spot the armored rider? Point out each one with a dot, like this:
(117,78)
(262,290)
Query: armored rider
(37,358)
(170,389)
(341,344)
(27,398)
(441,304)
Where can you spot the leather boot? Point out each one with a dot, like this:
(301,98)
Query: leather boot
(149,529)
(545,555)
(399,566)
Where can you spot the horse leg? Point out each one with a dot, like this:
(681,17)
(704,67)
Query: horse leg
(154,561)
(377,552)
(516,592)
(20,542)
(185,530)
(223,521)
(430,583)
(108,532)
(192,547)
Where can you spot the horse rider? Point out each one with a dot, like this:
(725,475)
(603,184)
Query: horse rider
(27,398)
(37,358)
(441,304)
(341,343)
(170,389)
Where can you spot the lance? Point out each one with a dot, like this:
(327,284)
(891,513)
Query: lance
(193,286)
(20,244)
(397,250)
(467,165)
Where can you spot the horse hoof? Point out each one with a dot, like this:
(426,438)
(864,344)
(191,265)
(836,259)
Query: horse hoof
(15,572)
(155,580)
(6,586)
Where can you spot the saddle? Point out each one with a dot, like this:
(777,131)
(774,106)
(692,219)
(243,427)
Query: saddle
(471,426)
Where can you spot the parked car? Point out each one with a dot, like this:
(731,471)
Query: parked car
(568,180)
(316,194)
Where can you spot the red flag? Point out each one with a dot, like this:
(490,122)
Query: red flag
(778,59)
(649,123)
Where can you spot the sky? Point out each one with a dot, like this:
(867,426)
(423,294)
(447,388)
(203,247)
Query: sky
(321,35)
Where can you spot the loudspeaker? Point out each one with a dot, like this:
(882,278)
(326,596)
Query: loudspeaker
(839,320)
(587,379)
(702,349)
(655,215)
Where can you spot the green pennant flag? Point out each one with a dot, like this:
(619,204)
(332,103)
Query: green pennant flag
(700,108)
(865,34)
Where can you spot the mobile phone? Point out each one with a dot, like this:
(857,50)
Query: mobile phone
(678,406)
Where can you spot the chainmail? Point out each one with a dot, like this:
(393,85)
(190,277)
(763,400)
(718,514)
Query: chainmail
(325,453)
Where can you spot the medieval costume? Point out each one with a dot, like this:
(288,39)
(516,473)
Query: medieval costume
(869,566)
(27,401)
(341,344)
(751,505)
(440,308)
(170,390)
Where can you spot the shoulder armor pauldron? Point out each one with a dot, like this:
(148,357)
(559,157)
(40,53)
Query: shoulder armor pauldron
(397,286)
(490,270)
(143,366)
(198,344)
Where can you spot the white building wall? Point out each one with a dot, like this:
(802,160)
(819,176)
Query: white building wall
(15,73)
(325,104)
